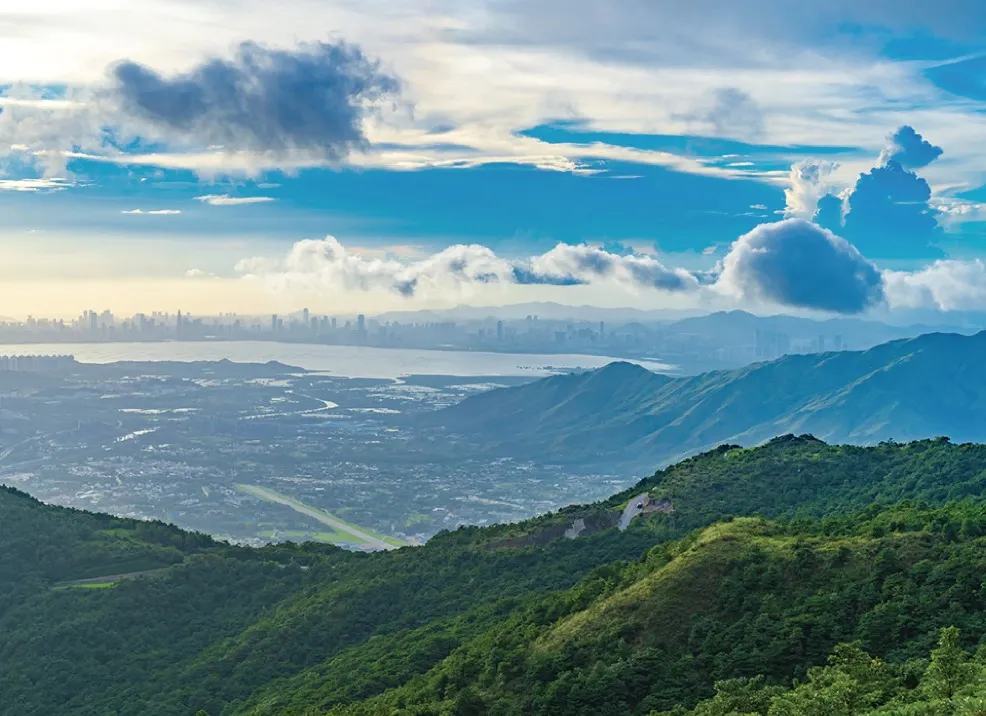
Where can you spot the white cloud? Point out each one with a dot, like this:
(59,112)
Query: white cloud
(589,264)
(952,212)
(35,130)
(328,265)
(947,285)
(790,265)
(227,200)
(44,184)
(152,212)
(490,68)
(808,181)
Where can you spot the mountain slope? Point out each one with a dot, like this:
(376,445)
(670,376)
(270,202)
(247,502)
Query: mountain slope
(908,389)
(733,600)
(44,544)
(518,618)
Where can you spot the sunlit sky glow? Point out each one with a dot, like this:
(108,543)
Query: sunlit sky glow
(238,155)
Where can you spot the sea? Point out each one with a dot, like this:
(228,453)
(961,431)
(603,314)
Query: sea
(342,361)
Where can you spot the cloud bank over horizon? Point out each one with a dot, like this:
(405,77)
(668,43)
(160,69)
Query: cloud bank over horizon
(788,264)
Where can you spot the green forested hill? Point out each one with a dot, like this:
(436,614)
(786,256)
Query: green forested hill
(904,390)
(735,600)
(769,558)
(40,544)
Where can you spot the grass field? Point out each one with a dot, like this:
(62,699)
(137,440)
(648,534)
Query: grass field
(86,585)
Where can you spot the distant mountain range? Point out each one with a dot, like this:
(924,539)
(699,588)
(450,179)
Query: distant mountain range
(545,310)
(927,386)
(913,322)
(735,327)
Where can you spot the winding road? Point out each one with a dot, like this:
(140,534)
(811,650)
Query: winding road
(632,510)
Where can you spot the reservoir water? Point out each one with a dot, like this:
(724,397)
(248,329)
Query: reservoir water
(343,361)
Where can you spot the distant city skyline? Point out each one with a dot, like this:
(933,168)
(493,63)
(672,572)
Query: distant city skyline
(714,341)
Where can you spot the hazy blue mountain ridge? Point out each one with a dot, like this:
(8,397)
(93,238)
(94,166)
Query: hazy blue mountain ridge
(906,389)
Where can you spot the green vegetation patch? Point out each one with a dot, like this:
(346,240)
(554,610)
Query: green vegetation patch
(86,585)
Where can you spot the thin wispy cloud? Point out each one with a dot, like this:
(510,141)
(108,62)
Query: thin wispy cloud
(199,273)
(152,212)
(38,184)
(227,200)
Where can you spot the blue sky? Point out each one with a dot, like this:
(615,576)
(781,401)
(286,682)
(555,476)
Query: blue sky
(196,155)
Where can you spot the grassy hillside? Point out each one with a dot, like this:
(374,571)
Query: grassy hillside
(734,600)
(770,558)
(904,390)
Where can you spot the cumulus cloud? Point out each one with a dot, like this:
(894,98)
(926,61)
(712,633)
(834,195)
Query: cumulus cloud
(327,264)
(887,213)
(587,264)
(946,285)
(227,200)
(152,212)
(792,263)
(797,263)
(909,149)
(310,100)
(808,181)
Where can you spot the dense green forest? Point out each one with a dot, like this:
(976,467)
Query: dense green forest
(784,579)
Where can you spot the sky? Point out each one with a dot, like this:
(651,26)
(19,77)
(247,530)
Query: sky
(243,156)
